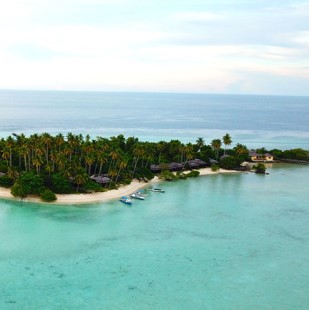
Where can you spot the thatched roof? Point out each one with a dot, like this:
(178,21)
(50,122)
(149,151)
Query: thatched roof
(102,179)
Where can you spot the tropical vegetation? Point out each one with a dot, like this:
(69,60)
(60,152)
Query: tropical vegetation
(42,164)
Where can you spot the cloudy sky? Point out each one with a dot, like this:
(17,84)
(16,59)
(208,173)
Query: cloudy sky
(209,46)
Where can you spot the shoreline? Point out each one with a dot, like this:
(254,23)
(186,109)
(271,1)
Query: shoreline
(73,199)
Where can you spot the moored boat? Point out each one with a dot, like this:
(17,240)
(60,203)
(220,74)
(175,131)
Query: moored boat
(137,195)
(157,190)
(126,200)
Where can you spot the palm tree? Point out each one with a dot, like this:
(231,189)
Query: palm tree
(240,149)
(23,152)
(9,144)
(121,165)
(59,141)
(47,140)
(102,158)
(138,152)
(80,178)
(37,162)
(49,168)
(89,160)
(227,140)
(112,173)
(6,155)
(12,173)
(160,147)
(200,142)
(216,145)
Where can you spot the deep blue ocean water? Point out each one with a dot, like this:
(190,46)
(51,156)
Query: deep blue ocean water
(269,121)
(237,241)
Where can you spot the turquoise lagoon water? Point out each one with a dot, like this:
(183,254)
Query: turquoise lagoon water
(237,241)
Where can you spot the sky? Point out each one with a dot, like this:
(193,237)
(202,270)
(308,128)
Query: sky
(204,46)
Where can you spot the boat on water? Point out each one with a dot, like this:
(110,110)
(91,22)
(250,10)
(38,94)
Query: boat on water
(126,200)
(156,190)
(138,195)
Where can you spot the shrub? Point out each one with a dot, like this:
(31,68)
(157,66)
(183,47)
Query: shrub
(144,173)
(3,166)
(28,183)
(60,185)
(6,181)
(18,190)
(193,174)
(214,167)
(181,175)
(229,163)
(93,186)
(167,175)
(259,168)
(48,196)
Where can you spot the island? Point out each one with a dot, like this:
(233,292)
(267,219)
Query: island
(76,169)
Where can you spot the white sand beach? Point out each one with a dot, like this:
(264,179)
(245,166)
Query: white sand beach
(135,185)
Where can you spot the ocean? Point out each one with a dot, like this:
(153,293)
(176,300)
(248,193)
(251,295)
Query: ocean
(256,121)
(230,241)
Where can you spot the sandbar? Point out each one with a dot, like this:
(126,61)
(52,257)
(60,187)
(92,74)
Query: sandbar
(72,199)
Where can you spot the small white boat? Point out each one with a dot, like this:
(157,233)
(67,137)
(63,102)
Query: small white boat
(157,190)
(137,195)
(126,200)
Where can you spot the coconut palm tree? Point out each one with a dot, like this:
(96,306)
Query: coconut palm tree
(160,146)
(240,149)
(37,163)
(6,155)
(216,145)
(138,152)
(80,178)
(227,140)
(10,142)
(122,164)
(200,142)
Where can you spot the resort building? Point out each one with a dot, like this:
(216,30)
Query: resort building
(173,166)
(261,157)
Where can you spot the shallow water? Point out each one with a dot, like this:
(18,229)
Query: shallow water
(236,241)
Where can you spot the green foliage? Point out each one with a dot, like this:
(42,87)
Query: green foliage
(18,190)
(3,166)
(126,181)
(6,181)
(296,154)
(48,196)
(92,186)
(60,184)
(259,168)
(144,173)
(167,175)
(180,175)
(276,153)
(193,174)
(28,183)
(214,167)
(229,163)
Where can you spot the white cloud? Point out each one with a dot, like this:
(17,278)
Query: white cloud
(196,16)
(193,51)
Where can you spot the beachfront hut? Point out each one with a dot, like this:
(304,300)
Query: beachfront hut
(213,161)
(155,168)
(101,179)
(175,166)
